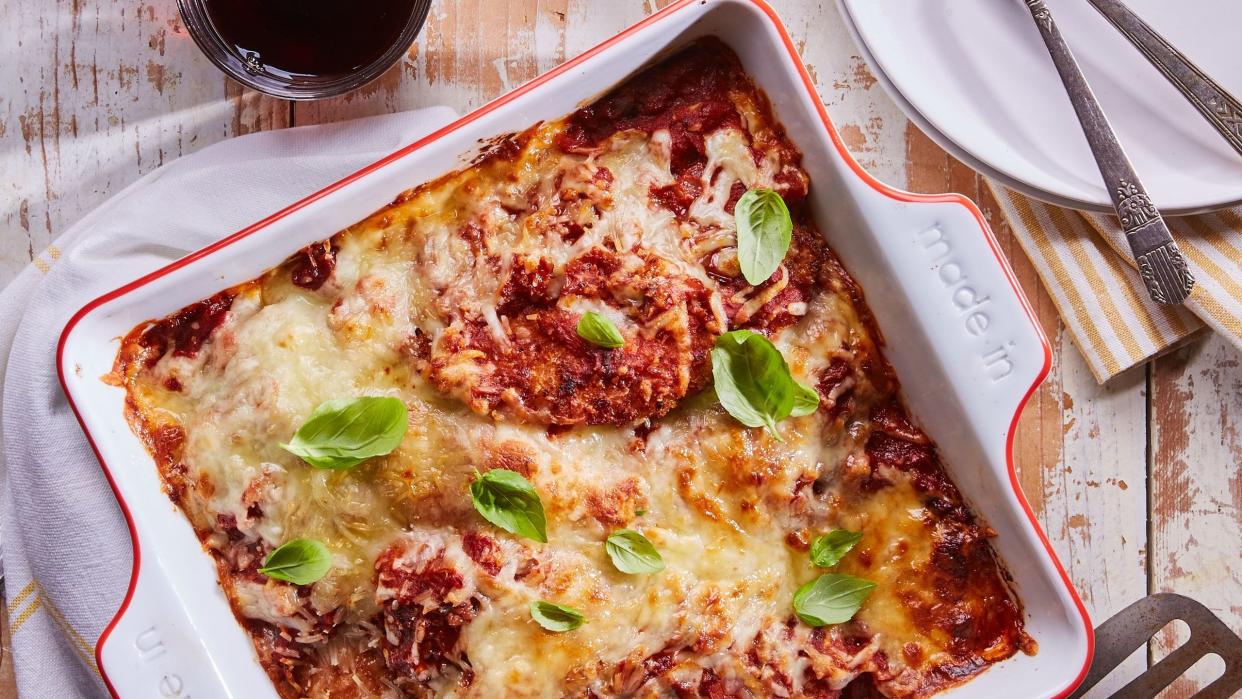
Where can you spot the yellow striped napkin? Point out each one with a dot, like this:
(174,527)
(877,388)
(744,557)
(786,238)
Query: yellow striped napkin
(1085,264)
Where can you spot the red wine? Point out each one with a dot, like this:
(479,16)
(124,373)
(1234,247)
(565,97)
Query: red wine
(310,37)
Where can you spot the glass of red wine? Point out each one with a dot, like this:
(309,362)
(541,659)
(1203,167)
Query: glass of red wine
(304,49)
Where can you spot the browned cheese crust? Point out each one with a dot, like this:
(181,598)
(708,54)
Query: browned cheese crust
(462,297)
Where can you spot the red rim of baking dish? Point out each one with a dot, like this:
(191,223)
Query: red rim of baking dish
(882,188)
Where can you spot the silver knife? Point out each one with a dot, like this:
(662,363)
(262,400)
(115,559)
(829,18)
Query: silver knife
(1221,109)
(1160,262)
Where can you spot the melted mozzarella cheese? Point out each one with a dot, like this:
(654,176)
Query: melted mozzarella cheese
(716,497)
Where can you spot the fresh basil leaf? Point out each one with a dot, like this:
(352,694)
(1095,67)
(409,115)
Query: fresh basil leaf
(509,501)
(596,329)
(752,380)
(806,400)
(831,599)
(345,432)
(633,553)
(555,617)
(764,231)
(829,549)
(300,561)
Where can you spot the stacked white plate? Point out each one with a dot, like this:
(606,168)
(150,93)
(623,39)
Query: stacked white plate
(975,76)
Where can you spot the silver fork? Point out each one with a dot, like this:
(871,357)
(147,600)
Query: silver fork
(1160,261)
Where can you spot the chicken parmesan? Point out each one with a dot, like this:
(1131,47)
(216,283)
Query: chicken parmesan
(600,414)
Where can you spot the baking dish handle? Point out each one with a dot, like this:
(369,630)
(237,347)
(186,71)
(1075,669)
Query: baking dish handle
(156,636)
(955,294)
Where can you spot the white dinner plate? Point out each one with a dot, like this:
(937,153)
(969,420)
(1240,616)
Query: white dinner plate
(975,74)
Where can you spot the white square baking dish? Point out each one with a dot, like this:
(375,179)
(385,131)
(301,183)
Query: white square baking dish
(959,333)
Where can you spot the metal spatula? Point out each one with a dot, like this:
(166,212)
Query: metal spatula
(1133,627)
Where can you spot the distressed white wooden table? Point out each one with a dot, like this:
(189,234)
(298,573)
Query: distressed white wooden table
(1137,483)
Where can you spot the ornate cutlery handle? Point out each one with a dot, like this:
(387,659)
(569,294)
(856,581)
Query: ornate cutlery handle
(1160,262)
(1220,108)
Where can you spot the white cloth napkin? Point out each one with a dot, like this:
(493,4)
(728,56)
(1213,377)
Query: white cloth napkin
(66,552)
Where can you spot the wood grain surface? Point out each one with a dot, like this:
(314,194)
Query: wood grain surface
(1137,482)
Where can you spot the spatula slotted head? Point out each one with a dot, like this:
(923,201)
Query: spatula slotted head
(1135,625)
